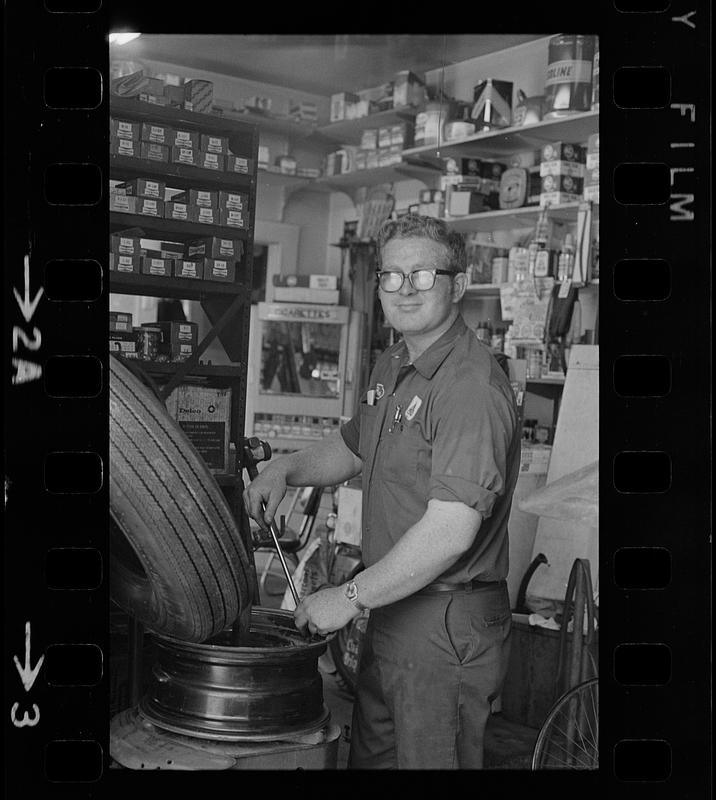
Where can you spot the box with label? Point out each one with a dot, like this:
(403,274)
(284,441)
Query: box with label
(558,198)
(150,207)
(154,99)
(304,294)
(154,152)
(216,247)
(124,129)
(123,203)
(460,203)
(562,151)
(182,211)
(369,139)
(171,250)
(143,187)
(562,183)
(238,201)
(233,218)
(408,89)
(151,132)
(185,138)
(240,164)
(339,105)
(591,193)
(209,160)
(122,342)
(534,459)
(122,263)
(120,321)
(573,168)
(204,414)
(209,216)
(183,155)
(183,268)
(402,134)
(198,95)
(198,197)
(124,245)
(124,147)
(155,266)
(175,95)
(591,177)
(384,136)
(371,159)
(313,281)
(593,151)
(219,269)
(174,336)
(386,157)
(214,144)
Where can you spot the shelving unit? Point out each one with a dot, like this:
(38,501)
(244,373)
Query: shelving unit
(349,131)
(516,139)
(369,177)
(227,305)
(508,218)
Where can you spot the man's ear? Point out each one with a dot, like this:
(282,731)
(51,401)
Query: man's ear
(458,286)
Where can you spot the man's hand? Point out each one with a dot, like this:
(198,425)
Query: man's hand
(325,611)
(268,487)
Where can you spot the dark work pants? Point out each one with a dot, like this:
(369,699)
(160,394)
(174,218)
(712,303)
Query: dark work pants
(431,666)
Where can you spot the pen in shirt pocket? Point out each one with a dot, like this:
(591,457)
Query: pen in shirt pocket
(370,397)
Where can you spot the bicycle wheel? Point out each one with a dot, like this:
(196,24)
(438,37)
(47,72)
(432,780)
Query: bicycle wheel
(569,737)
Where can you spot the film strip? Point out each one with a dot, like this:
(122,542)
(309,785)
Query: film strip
(654,399)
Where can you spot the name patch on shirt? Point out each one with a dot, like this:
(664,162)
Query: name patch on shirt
(412,409)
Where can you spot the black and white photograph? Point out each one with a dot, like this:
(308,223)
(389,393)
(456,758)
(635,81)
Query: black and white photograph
(354,401)
(391,469)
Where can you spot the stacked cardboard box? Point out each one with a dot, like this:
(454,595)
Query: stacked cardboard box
(562,173)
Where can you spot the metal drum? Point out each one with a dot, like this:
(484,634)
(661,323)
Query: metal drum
(268,689)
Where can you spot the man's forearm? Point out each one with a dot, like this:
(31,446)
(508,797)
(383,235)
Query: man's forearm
(325,463)
(422,554)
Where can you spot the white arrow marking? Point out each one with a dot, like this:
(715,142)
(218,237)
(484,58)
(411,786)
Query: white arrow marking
(27,306)
(27,673)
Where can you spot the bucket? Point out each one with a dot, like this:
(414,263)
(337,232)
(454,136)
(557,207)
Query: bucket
(568,86)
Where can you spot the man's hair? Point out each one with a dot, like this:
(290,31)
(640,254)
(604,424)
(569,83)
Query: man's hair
(414,226)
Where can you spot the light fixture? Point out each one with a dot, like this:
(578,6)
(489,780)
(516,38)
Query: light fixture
(122,38)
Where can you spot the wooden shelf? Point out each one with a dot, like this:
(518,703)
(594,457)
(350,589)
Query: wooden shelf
(265,177)
(272,124)
(172,229)
(136,109)
(507,141)
(508,218)
(369,177)
(483,290)
(180,288)
(127,167)
(198,371)
(349,131)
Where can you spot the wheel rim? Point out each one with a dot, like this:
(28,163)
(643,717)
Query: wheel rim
(569,737)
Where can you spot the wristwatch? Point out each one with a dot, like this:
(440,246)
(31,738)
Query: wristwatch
(351,593)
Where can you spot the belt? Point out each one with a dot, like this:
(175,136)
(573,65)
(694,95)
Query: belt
(459,587)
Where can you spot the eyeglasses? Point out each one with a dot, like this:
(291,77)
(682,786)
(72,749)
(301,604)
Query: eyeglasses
(422,280)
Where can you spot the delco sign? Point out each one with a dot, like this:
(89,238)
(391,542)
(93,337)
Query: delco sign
(303,312)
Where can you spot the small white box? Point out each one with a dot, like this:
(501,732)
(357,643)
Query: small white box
(348,519)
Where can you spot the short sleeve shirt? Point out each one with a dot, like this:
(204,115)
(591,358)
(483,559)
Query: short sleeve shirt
(445,428)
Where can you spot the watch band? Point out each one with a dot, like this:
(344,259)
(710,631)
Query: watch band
(351,593)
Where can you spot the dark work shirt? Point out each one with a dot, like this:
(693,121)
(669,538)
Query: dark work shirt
(443,428)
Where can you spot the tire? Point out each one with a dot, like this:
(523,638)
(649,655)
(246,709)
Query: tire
(177,560)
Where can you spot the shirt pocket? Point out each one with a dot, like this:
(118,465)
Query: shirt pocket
(400,455)
(368,418)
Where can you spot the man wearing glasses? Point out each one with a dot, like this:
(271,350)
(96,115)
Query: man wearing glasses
(437,441)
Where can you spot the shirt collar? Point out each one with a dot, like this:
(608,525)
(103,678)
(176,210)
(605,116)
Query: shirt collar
(428,362)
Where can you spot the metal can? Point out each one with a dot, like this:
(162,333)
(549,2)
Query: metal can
(568,85)
(148,341)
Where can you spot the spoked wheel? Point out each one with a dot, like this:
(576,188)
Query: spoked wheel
(569,737)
